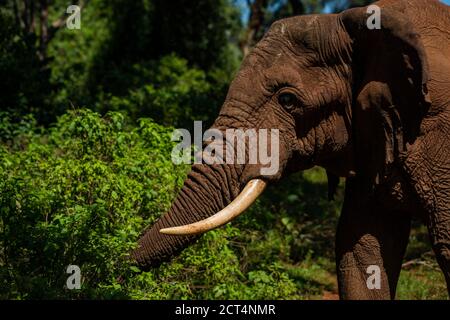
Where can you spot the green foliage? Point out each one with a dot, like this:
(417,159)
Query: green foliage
(169,91)
(137,57)
(211,270)
(80,194)
(421,277)
(116,54)
(197,31)
(423,282)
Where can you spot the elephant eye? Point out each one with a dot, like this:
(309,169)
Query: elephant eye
(287,100)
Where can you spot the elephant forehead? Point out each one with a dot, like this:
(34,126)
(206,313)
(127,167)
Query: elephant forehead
(319,36)
(248,87)
(266,53)
(294,23)
(292,38)
(301,28)
(272,61)
(305,39)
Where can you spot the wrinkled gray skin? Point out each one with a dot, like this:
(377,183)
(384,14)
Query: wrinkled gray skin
(370,105)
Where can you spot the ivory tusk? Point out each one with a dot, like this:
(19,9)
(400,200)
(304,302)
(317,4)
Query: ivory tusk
(248,195)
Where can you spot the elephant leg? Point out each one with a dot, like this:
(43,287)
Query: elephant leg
(429,168)
(370,242)
(439,230)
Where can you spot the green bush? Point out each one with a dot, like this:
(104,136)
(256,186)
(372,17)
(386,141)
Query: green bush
(80,194)
(169,91)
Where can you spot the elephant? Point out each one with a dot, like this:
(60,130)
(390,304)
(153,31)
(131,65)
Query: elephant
(369,105)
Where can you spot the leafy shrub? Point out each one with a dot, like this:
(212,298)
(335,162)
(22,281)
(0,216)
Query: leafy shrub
(167,90)
(80,194)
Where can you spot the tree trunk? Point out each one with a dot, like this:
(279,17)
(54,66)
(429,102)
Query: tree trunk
(43,41)
(255,24)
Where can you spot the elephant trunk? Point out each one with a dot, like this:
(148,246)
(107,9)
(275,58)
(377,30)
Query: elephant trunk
(207,190)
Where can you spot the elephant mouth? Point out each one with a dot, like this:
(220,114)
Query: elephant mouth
(252,190)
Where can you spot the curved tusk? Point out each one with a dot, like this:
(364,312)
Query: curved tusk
(247,196)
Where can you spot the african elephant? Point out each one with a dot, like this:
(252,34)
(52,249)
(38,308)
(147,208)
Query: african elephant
(368,104)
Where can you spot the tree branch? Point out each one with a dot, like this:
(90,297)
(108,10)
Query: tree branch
(16,14)
(256,21)
(43,39)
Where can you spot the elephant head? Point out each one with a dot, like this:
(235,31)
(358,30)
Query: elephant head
(342,96)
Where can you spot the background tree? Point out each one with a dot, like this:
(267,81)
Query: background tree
(32,17)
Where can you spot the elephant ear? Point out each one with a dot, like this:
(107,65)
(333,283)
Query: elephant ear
(390,96)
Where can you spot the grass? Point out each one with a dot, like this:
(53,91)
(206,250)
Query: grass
(421,277)
(422,282)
